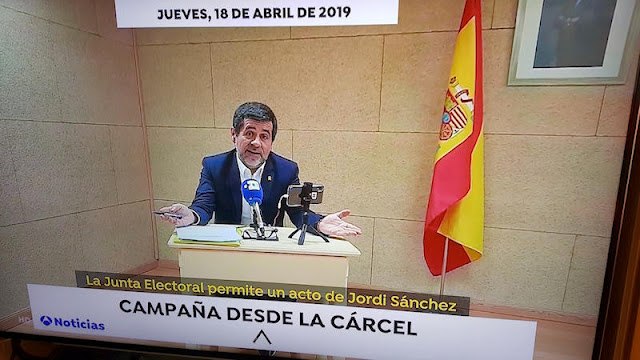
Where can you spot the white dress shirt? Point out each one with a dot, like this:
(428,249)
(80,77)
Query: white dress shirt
(245,173)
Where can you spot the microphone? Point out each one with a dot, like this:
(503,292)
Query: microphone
(252,193)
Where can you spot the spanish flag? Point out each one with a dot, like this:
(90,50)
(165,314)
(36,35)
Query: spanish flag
(456,202)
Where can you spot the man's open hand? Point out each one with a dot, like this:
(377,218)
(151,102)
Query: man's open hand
(333,225)
(178,209)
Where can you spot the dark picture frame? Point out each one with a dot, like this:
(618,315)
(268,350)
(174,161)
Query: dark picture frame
(574,42)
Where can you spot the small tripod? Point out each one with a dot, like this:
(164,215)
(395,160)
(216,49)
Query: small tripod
(305,196)
(255,232)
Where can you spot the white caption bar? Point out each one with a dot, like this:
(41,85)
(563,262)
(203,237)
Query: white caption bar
(253,13)
(277,325)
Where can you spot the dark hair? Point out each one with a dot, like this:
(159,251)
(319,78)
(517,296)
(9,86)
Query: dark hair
(254,111)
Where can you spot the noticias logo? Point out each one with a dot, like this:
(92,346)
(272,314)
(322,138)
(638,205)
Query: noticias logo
(74,323)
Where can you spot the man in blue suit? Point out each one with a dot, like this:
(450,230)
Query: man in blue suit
(219,195)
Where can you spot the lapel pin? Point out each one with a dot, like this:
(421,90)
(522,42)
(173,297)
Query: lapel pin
(268,177)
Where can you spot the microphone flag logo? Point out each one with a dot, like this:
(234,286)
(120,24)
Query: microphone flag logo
(252,191)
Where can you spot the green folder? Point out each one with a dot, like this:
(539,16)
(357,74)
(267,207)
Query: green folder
(236,243)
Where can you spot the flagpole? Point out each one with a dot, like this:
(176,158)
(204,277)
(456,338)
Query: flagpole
(444,264)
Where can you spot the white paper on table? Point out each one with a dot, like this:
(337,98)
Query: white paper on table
(221,233)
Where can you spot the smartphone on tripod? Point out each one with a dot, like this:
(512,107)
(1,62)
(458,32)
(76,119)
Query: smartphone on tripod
(295,192)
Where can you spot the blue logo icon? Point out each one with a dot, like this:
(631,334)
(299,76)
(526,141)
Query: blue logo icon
(75,323)
(45,320)
(445,118)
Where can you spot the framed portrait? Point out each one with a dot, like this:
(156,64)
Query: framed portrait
(573,42)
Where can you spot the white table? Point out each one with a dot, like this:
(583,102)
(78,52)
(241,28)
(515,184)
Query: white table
(316,263)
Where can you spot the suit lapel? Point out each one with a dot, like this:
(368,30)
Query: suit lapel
(266,182)
(233,182)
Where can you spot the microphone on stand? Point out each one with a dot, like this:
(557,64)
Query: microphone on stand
(252,193)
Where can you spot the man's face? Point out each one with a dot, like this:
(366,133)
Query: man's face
(253,142)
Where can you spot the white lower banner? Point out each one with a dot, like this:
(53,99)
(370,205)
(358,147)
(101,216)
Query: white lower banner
(278,325)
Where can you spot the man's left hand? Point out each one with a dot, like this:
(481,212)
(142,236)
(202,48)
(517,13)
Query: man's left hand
(333,225)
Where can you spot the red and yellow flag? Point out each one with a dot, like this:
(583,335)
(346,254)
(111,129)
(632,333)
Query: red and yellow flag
(456,202)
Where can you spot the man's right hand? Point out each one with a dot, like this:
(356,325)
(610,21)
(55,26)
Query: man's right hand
(178,209)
